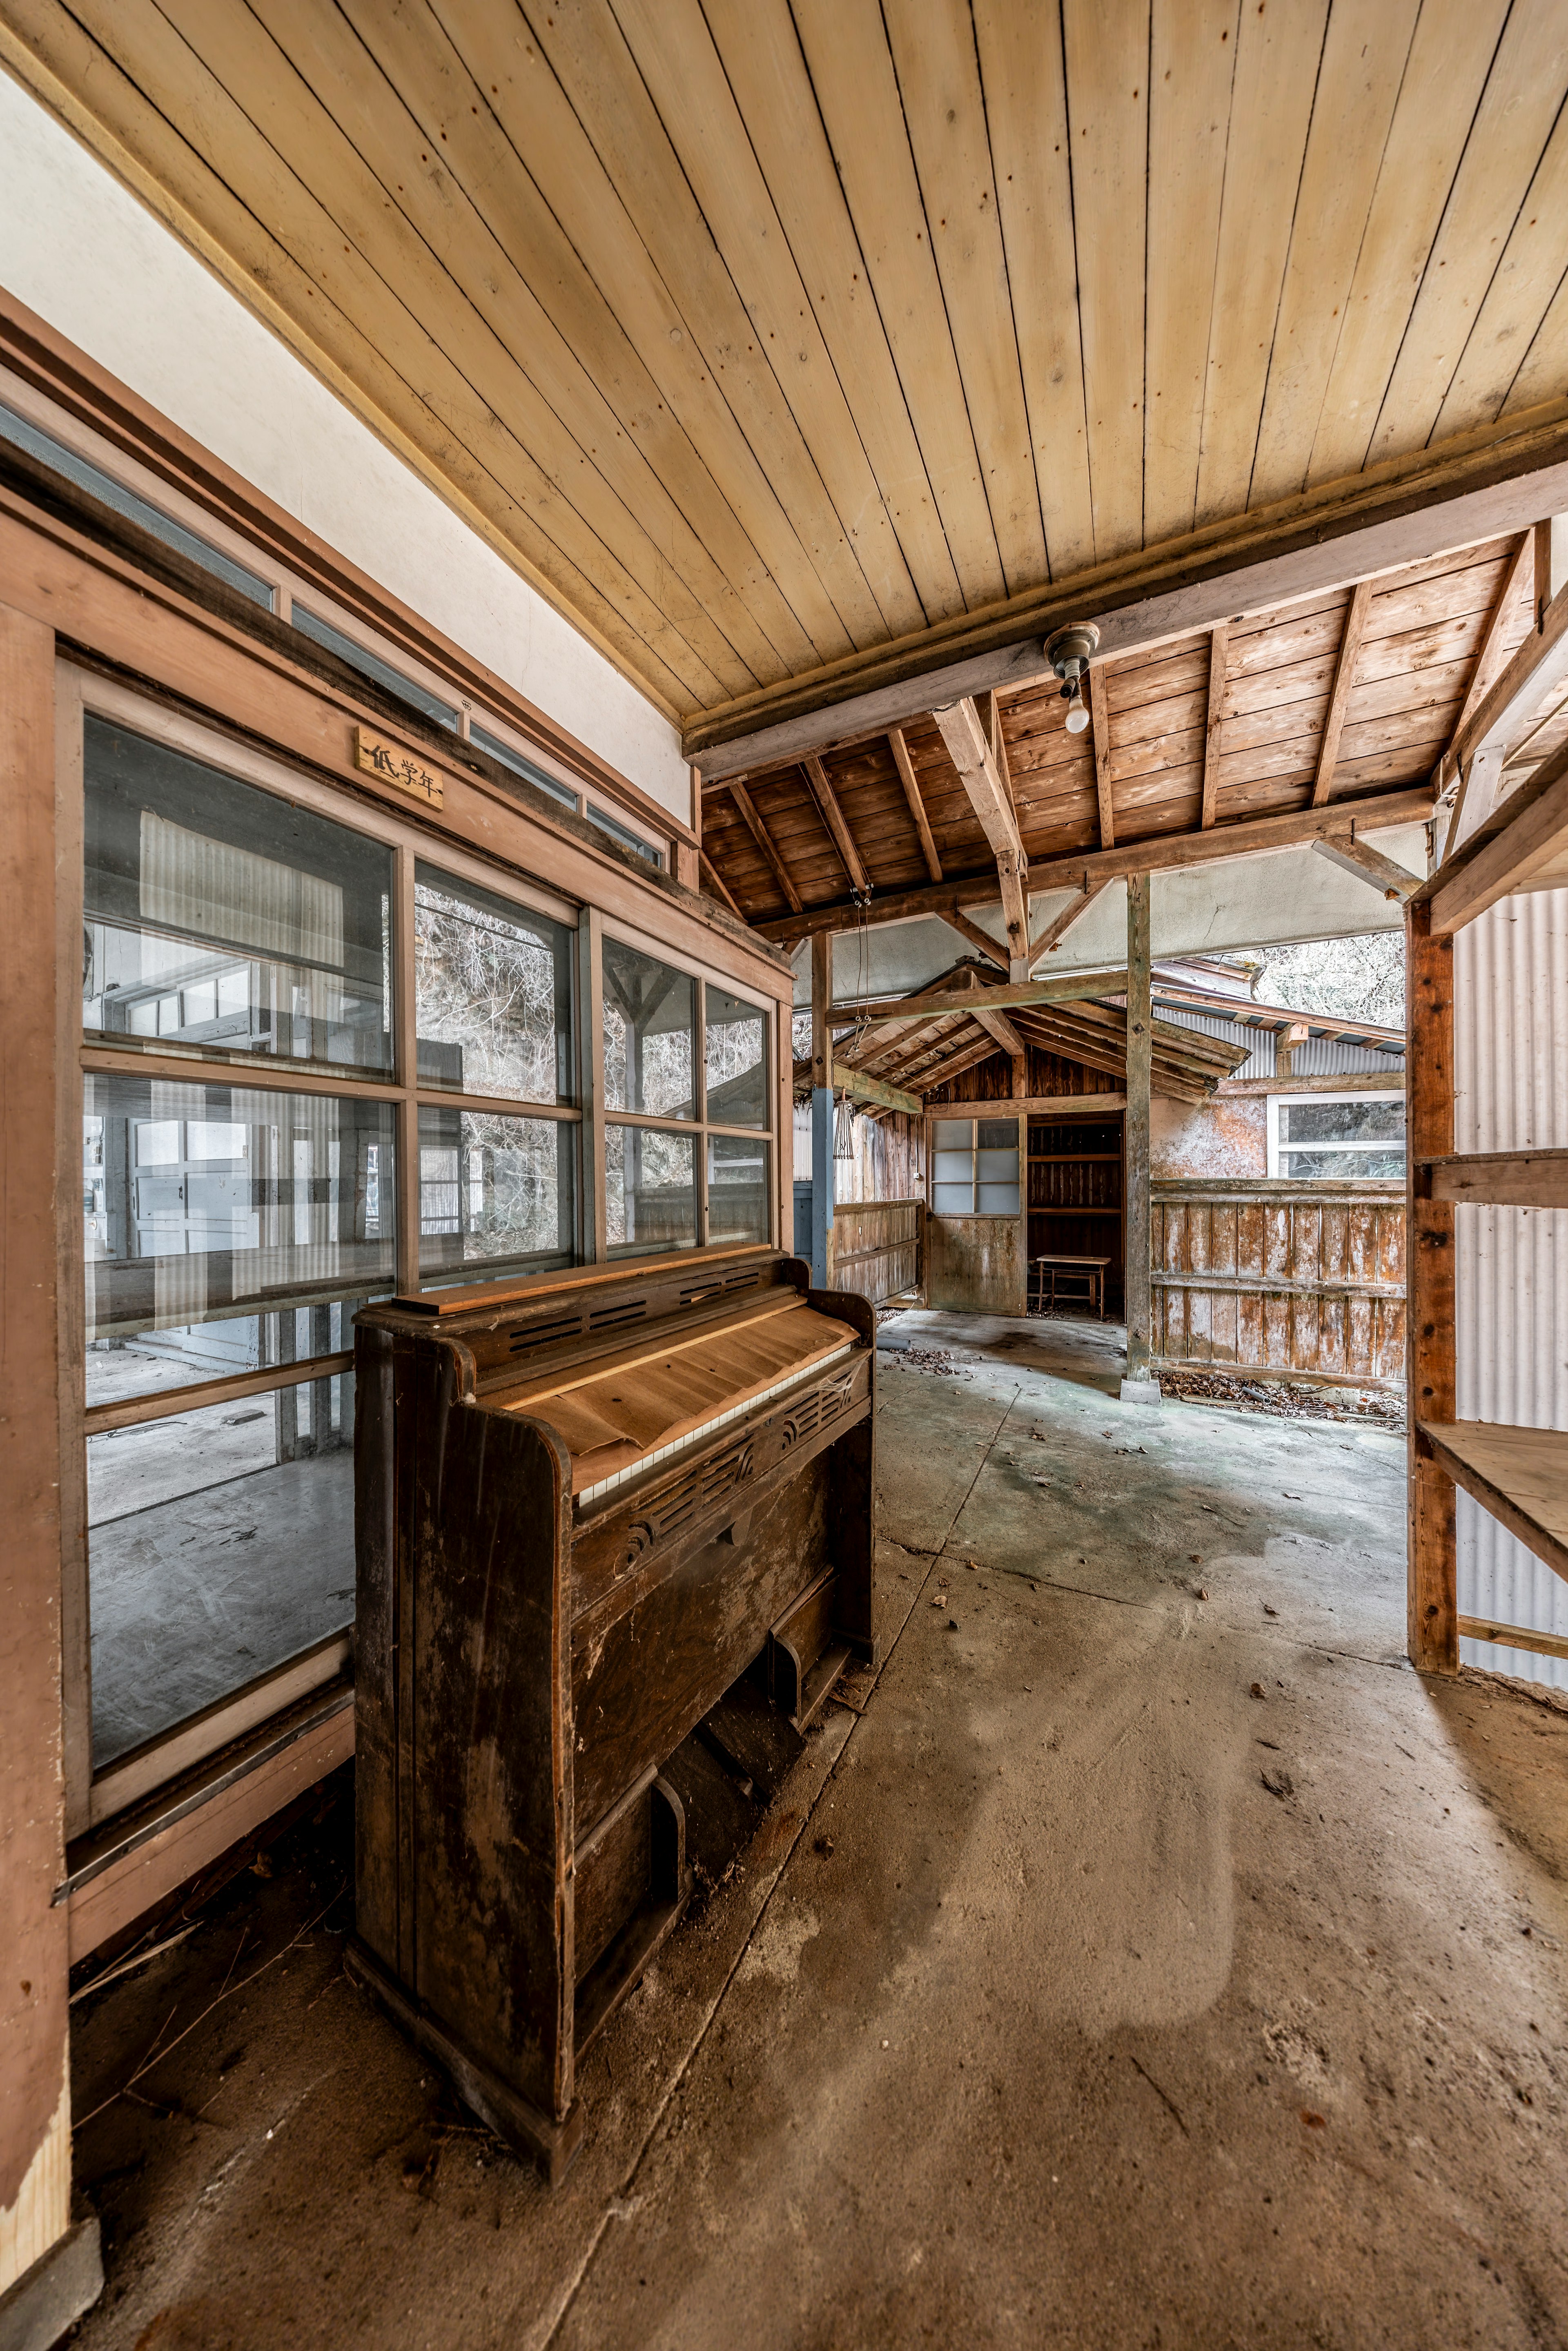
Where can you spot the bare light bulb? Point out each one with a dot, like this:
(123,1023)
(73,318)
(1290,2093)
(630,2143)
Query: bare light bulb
(1077,716)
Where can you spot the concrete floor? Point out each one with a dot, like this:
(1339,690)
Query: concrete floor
(1146,1958)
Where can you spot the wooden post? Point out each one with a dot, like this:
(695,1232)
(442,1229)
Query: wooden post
(1429,1285)
(821,1109)
(1139,1387)
(34,1956)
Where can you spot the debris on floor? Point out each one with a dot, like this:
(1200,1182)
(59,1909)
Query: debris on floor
(1285,1400)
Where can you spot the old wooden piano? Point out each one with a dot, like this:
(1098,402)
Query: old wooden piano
(612,1530)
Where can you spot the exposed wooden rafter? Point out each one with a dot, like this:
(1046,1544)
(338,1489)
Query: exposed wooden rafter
(1339,693)
(764,839)
(1219,658)
(832,816)
(975,936)
(1046,941)
(911,783)
(1369,864)
(970,748)
(719,883)
(1100,734)
(1490,652)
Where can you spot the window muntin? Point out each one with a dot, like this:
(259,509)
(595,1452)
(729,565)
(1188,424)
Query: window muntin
(493,994)
(1342,1138)
(218,917)
(650,1027)
(735,1043)
(740,1192)
(650,1190)
(219,1545)
(369,664)
(111,493)
(975,1167)
(496,1194)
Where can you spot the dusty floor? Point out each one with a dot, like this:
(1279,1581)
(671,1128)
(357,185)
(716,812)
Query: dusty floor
(1146,1958)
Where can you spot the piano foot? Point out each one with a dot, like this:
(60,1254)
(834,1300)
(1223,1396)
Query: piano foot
(532,2134)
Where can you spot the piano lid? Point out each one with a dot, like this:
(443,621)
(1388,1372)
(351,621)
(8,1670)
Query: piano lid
(612,1417)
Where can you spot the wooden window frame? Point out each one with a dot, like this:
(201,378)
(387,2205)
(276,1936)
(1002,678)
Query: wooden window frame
(1390,1093)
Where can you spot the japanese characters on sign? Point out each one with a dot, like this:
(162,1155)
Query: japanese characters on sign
(393,764)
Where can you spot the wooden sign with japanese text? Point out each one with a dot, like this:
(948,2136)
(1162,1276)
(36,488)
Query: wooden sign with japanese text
(393,764)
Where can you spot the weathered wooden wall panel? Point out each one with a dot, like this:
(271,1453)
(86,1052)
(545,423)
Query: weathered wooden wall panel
(1269,1276)
(975,1264)
(877,1247)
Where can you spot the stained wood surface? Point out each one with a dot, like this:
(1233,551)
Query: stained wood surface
(1502,1179)
(1520,1474)
(1431,1555)
(763,339)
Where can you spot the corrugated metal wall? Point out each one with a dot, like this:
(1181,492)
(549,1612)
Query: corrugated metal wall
(1510,1074)
(1319,1056)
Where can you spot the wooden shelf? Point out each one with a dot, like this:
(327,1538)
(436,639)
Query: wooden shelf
(1520,1474)
(1500,1179)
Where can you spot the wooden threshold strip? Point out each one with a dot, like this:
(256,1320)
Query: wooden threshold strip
(1513,1636)
(1519,1475)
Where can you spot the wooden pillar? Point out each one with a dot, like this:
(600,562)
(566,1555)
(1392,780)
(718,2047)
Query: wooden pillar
(36,2237)
(1139,1387)
(821,1109)
(684,856)
(1429,1286)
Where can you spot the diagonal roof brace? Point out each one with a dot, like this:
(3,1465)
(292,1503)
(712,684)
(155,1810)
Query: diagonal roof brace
(970,748)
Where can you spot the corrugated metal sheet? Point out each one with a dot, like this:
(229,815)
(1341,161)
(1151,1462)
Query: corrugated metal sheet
(1320,1057)
(1511,1083)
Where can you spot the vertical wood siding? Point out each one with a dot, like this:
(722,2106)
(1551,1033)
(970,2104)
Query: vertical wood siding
(876,1248)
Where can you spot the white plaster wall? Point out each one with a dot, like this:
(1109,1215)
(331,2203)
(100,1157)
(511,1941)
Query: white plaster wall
(77,248)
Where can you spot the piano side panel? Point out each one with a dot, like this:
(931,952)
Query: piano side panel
(492,1793)
(851,1495)
(644,1680)
(375,1648)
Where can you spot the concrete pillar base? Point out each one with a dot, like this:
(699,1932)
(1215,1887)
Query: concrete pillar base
(50,2296)
(1140,1392)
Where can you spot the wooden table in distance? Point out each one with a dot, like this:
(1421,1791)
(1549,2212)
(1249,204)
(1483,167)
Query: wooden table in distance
(1048,1272)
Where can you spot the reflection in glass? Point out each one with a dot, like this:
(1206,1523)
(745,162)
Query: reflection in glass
(219,916)
(496,1193)
(650,1190)
(735,1042)
(1341,1166)
(1369,1121)
(493,991)
(648,1023)
(220,1544)
(738,1207)
(206,1209)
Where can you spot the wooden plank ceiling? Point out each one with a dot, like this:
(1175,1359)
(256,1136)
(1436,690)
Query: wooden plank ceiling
(1347,697)
(763,334)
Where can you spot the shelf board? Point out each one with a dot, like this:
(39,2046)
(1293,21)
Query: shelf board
(1520,1474)
(1500,1179)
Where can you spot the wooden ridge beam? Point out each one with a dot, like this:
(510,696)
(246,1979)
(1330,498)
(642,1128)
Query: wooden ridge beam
(1046,941)
(1218,660)
(1100,736)
(911,783)
(1339,693)
(1369,864)
(1166,853)
(970,748)
(764,839)
(832,816)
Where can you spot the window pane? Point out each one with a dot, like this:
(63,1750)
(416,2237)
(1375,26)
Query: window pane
(217,1204)
(1342,1121)
(737,1189)
(650,1189)
(648,1021)
(952,1199)
(952,1166)
(221,917)
(371,665)
(149,1362)
(998,1200)
(493,993)
(495,1194)
(100,485)
(220,1544)
(484,741)
(997,1166)
(736,1059)
(622,833)
(954,1135)
(998,1134)
(1341,1166)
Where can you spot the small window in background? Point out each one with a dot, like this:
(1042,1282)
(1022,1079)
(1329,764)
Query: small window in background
(648,1020)
(483,740)
(627,838)
(101,485)
(650,1190)
(735,1039)
(1358,1138)
(493,991)
(370,666)
(221,917)
(975,1167)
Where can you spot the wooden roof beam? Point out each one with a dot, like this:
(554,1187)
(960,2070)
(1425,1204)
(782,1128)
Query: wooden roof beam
(1369,864)
(911,783)
(1066,987)
(832,816)
(1047,941)
(1339,694)
(1218,660)
(970,748)
(1540,664)
(1100,736)
(764,839)
(719,883)
(1489,653)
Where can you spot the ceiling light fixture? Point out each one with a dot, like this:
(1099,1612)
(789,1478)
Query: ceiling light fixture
(1068,652)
